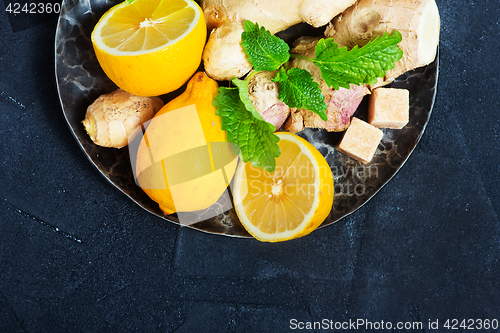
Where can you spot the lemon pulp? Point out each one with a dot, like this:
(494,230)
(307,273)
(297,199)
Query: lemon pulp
(145,25)
(289,202)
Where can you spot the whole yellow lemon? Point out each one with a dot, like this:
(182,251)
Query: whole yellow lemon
(184,162)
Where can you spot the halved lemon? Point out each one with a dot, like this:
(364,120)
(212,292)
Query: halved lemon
(290,202)
(150,47)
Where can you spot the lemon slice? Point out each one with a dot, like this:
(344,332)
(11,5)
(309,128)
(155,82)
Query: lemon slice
(290,202)
(150,47)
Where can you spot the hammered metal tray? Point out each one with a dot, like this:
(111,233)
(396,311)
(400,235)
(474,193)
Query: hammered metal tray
(80,81)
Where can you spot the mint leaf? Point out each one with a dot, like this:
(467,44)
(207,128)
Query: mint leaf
(265,51)
(254,137)
(299,90)
(242,86)
(340,67)
(130,1)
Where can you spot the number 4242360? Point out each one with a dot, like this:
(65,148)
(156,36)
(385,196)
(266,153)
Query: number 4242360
(33,8)
(471,324)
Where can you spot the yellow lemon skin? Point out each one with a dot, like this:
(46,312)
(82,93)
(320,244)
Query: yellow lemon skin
(274,207)
(326,190)
(194,163)
(152,72)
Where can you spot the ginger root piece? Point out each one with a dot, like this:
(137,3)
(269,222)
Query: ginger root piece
(264,95)
(341,104)
(112,117)
(224,57)
(417,20)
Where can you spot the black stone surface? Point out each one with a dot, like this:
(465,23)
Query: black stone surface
(76,255)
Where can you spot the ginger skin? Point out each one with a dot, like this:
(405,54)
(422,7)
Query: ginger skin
(264,95)
(224,57)
(354,27)
(112,118)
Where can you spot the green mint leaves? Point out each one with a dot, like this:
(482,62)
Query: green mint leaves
(254,137)
(265,51)
(339,67)
(299,90)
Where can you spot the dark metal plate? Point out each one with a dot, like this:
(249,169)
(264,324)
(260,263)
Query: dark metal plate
(80,81)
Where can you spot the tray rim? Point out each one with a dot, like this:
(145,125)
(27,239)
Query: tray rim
(64,9)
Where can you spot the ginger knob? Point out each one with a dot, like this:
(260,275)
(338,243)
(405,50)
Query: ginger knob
(112,117)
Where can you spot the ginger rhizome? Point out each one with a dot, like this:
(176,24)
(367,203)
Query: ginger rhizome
(224,57)
(113,117)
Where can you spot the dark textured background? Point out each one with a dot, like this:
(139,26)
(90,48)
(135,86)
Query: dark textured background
(78,256)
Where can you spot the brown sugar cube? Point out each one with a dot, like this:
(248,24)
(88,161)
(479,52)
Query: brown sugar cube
(389,108)
(360,141)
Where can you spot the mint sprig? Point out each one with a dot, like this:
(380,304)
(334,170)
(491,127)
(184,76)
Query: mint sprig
(339,67)
(254,137)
